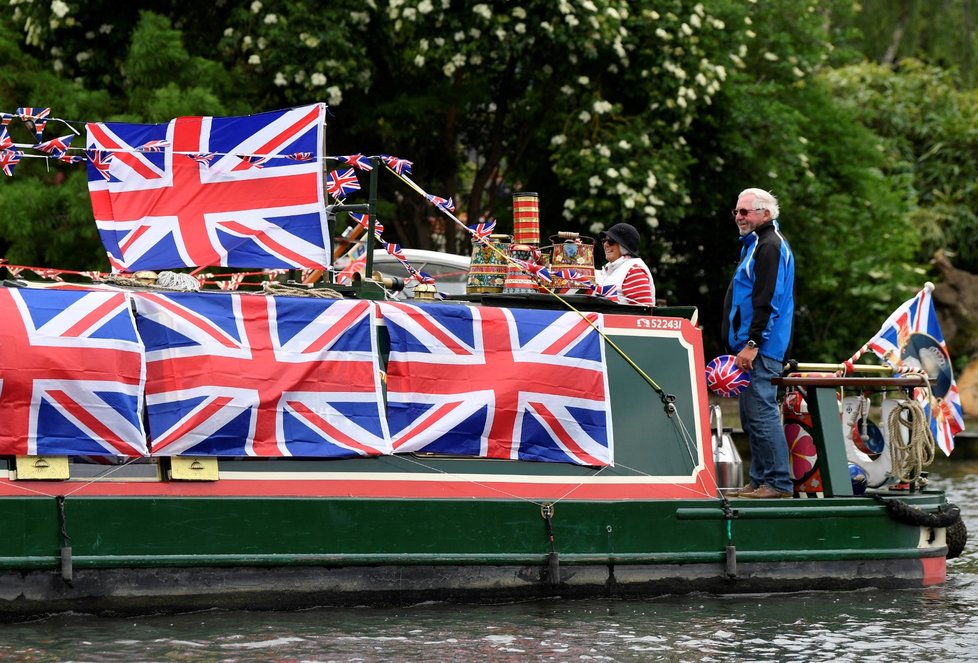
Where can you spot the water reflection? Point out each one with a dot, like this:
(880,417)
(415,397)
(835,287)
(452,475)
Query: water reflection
(871,625)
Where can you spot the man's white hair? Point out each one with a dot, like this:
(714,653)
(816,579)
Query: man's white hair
(763,200)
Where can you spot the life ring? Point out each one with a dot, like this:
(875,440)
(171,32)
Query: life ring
(879,470)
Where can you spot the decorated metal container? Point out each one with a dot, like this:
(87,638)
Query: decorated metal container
(526,218)
(571,261)
(487,271)
(518,280)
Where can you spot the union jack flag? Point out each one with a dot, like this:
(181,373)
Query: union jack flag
(153,146)
(253,160)
(341,183)
(497,383)
(203,158)
(444,203)
(535,269)
(5,140)
(608,291)
(156,210)
(364,220)
(299,156)
(398,165)
(422,277)
(34,119)
(71,374)
(56,147)
(357,161)
(483,229)
(237,374)
(395,250)
(9,159)
(912,338)
(100,161)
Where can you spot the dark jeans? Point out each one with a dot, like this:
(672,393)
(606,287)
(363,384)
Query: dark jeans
(761,419)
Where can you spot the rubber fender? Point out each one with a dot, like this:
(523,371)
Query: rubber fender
(957,538)
(909,515)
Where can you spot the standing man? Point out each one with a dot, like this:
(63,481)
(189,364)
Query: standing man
(624,269)
(758,313)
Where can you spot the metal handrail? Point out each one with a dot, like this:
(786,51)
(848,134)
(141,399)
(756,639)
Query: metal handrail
(907,381)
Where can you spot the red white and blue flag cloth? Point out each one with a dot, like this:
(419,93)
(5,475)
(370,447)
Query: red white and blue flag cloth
(912,338)
(168,207)
(71,374)
(249,375)
(497,383)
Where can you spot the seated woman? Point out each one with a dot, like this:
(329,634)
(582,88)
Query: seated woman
(624,269)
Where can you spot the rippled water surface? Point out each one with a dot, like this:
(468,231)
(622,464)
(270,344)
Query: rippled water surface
(934,624)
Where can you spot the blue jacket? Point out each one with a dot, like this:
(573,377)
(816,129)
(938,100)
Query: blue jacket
(760,301)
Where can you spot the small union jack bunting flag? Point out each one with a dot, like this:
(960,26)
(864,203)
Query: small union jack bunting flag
(340,184)
(357,161)
(56,147)
(9,159)
(398,165)
(34,119)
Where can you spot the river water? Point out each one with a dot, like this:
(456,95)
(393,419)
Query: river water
(934,624)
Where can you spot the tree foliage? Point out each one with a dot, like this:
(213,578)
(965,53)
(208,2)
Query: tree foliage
(655,112)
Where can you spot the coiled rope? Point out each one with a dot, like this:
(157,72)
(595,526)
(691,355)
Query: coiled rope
(276,288)
(908,459)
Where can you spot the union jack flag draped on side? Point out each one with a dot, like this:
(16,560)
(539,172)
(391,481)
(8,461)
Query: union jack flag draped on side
(497,383)
(163,209)
(235,374)
(912,338)
(71,374)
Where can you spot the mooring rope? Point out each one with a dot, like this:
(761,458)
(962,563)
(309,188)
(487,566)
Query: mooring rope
(908,459)
(276,288)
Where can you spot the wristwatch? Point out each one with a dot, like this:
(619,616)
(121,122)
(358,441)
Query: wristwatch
(751,344)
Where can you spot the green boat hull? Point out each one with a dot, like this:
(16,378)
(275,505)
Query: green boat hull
(138,554)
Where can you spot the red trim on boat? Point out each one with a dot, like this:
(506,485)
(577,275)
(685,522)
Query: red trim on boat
(361,488)
(935,570)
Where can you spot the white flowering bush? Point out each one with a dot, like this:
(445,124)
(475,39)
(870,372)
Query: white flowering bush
(655,112)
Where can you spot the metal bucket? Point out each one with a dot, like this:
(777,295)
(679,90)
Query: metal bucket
(487,271)
(571,251)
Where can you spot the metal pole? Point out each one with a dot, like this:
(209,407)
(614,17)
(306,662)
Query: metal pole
(832,368)
(372,215)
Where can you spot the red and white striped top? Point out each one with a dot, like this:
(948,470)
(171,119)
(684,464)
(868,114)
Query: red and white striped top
(637,287)
(632,278)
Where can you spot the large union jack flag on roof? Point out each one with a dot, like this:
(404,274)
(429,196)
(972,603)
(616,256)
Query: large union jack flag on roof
(168,208)
(71,374)
(237,374)
(498,383)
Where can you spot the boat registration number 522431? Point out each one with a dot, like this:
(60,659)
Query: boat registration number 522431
(659,323)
